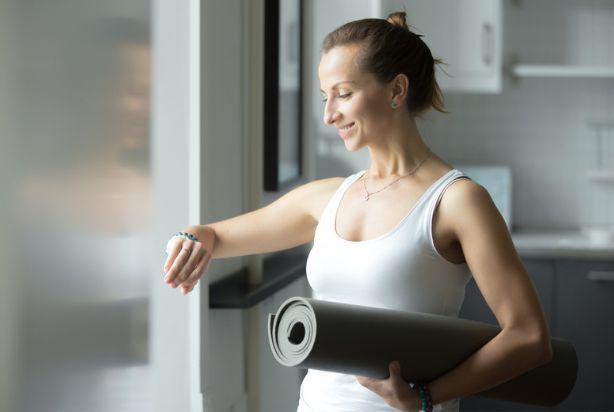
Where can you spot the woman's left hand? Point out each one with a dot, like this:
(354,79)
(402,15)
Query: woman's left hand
(188,258)
(394,390)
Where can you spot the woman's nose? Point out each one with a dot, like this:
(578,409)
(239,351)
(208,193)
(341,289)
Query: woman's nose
(330,113)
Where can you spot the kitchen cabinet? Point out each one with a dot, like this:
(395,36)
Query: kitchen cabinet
(585,316)
(578,301)
(465,35)
(562,71)
(560,39)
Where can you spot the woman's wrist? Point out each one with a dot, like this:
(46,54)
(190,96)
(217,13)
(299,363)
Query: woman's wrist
(203,234)
(425,401)
(188,236)
(412,404)
(195,232)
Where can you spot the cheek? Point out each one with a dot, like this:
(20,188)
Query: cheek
(365,108)
(376,113)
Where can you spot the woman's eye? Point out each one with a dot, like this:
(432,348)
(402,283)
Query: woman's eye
(341,96)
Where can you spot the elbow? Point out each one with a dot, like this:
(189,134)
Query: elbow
(546,351)
(540,348)
(532,346)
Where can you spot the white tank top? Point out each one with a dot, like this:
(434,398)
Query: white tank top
(399,270)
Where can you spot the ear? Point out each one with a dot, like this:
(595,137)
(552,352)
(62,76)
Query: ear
(399,88)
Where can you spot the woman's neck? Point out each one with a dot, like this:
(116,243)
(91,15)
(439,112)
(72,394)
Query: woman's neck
(399,153)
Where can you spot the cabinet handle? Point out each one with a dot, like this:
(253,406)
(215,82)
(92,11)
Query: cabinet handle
(487,43)
(596,275)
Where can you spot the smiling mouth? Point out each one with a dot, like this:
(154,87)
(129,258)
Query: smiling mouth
(345,131)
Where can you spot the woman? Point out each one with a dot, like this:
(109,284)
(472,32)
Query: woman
(405,234)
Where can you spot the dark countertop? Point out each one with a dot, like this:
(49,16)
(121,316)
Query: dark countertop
(560,244)
(278,271)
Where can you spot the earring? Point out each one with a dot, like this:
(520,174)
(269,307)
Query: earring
(393,104)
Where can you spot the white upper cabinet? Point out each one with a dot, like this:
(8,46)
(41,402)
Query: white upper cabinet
(570,39)
(465,34)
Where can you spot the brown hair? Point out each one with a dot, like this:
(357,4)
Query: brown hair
(389,48)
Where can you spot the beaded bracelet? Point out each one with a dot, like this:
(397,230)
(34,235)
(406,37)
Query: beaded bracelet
(187,235)
(426,402)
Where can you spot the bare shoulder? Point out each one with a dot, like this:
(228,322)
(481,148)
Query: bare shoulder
(325,187)
(313,197)
(322,188)
(467,206)
(465,192)
(320,192)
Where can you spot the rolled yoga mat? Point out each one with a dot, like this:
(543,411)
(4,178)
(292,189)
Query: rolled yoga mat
(360,340)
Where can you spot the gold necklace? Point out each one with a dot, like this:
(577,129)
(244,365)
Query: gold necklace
(368,194)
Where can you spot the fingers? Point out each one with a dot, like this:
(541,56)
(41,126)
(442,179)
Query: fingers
(194,253)
(187,261)
(393,389)
(193,269)
(397,381)
(393,385)
(180,252)
(375,385)
(172,250)
(394,368)
(365,381)
(189,283)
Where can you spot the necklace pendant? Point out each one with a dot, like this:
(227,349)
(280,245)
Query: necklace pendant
(366,197)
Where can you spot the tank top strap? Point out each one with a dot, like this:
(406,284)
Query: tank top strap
(437,193)
(327,220)
(453,176)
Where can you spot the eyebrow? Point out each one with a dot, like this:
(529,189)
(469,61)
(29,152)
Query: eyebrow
(338,83)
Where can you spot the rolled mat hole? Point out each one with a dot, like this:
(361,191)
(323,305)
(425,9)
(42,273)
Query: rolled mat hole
(297,333)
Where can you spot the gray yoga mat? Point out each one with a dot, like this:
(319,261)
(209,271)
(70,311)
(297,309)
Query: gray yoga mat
(360,340)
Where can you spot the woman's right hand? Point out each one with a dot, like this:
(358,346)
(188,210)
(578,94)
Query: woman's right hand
(188,259)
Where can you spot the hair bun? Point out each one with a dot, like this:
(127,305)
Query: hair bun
(398,18)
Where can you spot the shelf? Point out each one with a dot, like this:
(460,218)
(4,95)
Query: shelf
(600,124)
(601,175)
(279,270)
(565,71)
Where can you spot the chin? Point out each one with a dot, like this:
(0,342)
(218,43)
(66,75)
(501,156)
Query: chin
(354,145)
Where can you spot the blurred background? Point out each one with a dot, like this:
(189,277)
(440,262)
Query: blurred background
(76,205)
(123,121)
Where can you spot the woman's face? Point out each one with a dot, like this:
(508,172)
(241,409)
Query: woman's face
(354,102)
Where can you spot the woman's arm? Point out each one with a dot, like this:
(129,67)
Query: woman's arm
(467,215)
(287,222)
(468,212)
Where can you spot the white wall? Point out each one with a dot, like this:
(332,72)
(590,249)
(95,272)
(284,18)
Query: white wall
(223,174)
(175,320)
(278,385)
(239,373)
(329,154)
